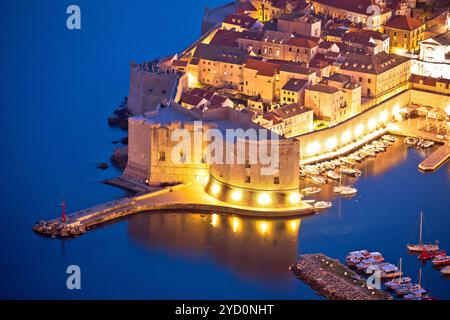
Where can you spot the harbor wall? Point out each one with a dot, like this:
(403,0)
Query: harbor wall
(435,100)
(349,131)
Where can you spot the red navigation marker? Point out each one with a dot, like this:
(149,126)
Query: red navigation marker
(63,208)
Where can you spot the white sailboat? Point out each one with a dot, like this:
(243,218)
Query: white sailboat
(420,247)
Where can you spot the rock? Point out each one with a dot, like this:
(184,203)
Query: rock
(102,166)
(73,232)
(64,234)
(119,158)
(124,140)
(113,121)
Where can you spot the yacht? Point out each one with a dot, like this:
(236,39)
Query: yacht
(311,190)
(333,175)
(321,205)
(441,261)
(446,271)
(318,180)
(420,247)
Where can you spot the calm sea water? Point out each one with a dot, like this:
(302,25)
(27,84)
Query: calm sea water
(59,86)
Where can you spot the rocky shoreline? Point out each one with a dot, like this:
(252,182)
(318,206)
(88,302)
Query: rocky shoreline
(120,116)
(331,279)
(57,229)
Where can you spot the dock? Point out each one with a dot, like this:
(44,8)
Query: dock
(333,280)
(180,198)
(436,159)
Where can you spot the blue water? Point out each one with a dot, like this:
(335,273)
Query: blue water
(59,86)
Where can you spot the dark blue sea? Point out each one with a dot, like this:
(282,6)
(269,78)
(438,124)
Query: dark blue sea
(57,89)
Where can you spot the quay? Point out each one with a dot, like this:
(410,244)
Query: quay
(436,159)
(188,197)
(413,128)
(331,279)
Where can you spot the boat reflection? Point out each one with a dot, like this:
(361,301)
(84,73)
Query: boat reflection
(261,249)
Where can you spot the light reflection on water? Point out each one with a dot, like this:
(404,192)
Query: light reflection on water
(261,249)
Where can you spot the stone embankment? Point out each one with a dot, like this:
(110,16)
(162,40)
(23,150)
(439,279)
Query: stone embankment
(56,229)
(119,158)
(331,279)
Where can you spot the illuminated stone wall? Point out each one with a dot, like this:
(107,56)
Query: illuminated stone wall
(346,132)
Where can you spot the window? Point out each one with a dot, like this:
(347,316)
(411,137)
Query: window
(276,180)
(162,156)
(247,179)
(247,164)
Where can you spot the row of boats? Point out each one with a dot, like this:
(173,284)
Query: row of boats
(367,262)
(419,142)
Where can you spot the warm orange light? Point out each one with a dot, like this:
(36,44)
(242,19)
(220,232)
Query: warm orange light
(359,129)
(214,220)
(236,195)
(346,136)
(294,198)
(215,189)
(263,227)
(372,124)
(331,143)
(264,199)
(383,116)
(313,147)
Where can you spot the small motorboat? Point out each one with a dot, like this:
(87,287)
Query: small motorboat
(311,170)
(333,175)
(318,180)
(446,271)
(366,263)
(427,255)
(441,261)
(322,205)
(411,141)
(355,257)
(407,289)
(388,271)
(351,172)
(389,138)
(348,191)
(397,283)
(311,190)
(418,294)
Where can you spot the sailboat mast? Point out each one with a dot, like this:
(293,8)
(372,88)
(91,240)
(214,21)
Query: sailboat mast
(421,222)
(400,267)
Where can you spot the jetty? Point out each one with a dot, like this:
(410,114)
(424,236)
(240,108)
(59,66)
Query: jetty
(181,198)
(333,280)
(436,159)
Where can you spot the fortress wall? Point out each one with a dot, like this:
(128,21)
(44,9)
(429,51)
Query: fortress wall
(138,149)
(346,132)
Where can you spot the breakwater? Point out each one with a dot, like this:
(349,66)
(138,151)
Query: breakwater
(331,279)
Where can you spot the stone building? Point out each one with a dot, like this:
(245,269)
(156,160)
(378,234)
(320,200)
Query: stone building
(405,33)
(371,14)
(293,91)
(377,74)
(218,66)
(300,23)
(289,120)
(328,103)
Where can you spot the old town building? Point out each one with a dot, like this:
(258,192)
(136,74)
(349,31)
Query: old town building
(405,33)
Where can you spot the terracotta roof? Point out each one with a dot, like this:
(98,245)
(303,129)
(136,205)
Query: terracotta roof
(295,68)
(220,53)
(374,64)
(404,23)
(264,68)
(295,85)
(180,63)
(299,17)
(245,7)
(320,62)
(323,88)
(226,38)
(251,35)
(218,100)
(276,37)
(428,81)
(240,20)
(190,99)
(357,6)
(203,93)
(285,112)
(302,42)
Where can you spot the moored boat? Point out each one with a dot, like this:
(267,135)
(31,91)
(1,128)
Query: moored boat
(355,257)
(311,190)
(420,247)
(318,180)
(389,271)
(427,255)
(333,175)
(321,205)
(446,271)
(441,261)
